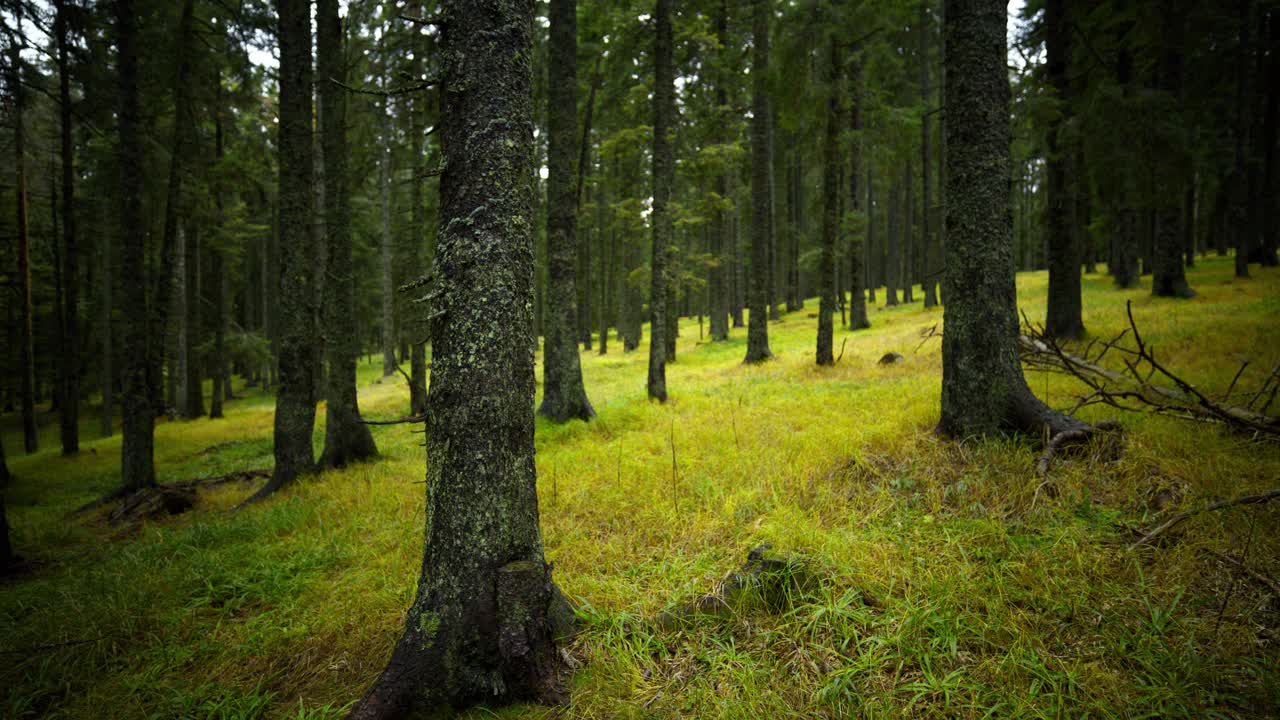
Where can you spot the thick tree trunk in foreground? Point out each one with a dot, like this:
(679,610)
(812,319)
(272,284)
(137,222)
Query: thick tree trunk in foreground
(346,438)
(482,626)
(758,290)
(69,355)
(563,395)
(983,389)
(295,395)
(138,407)
(830,212)
(1063,318)
(663,176)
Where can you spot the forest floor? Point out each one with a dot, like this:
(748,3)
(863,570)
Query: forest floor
(948,580)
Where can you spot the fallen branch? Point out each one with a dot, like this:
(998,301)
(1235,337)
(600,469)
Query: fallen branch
(1070,437)
(1182,516)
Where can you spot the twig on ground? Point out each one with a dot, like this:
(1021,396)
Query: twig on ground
(1182,516)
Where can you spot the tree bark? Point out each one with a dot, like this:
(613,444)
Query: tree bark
(482,627)
(346,438)
(218,273)
(389,362)
(663,177)
(983,389)
(563,396)
(929,278)
(26,346)
(830,211)
(194,383)
(69,355)
(857,251)
(1063,316)
(138,404)
(106,376)
(295,394)
(761,212)
(1168,278)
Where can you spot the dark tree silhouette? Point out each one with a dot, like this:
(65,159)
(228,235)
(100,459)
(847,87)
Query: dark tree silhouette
(761,212)
(663,177)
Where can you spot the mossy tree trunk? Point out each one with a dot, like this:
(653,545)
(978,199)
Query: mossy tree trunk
(563,395)
(830,200)
(1063,316)
(481,625)
(983,389)
(761,214)
(137,464)
(346,438)
(295,393)
(419,242)
(663,177)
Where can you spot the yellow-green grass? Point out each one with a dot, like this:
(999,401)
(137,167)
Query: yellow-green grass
(953,582)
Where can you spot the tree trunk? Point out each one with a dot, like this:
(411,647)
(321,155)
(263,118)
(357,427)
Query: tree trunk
(194,382)
(983,389)
(69,355)
(26,347)
(830,212)
(138,405)
(106,376)
(857,252)
(1063,317)
(346,438)
(872,253)
(1168,277)
(761,212)
(483,625)
(906,216)
(663,177)
(295,395)
(775,308)
(563,395)
(893,244)
(718,275)
(1124,268)
(218,274)
(389,362)
(929,278)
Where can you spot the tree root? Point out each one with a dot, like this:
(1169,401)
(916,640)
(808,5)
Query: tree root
(1180,517)
(171,498)
(1067,438)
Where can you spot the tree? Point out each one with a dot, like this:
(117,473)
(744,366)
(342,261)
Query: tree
(861,225)
(563,394)
(1063,316)
(137,404)
(295,395)
(1168,277)
(761,211)
(26,348)
(718,274)
(69,355)
(481,625)
(663,177)
(983,389)
(346,438)
(830,202)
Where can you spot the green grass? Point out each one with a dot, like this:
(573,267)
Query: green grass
(951,582)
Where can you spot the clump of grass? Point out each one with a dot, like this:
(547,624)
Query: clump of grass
(948,580)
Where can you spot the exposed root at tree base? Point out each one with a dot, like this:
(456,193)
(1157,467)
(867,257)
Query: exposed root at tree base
(1069,438)
(160,500)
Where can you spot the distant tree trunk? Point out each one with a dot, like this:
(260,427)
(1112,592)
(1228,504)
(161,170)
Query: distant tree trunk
(607,247)
(295,396)
(893,244)
(663,177)
(563,396)
(761,212)
(26,348)
(346,438)
(483,625)
(217,272)
(1237,178)
(583,283)
(106,376)
(7,559)
(718,275)
(857,251)
(929,278)
(830,200)
(1124,268)
(420,242)
(775,308)
(194,385)
(906,215)
(389,362)
(872,253)
(795,219)
(983,389)
(69,356)
(1269,219)
(1168,275)
(1063,318)
(738,271)
(136,452)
